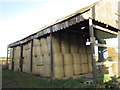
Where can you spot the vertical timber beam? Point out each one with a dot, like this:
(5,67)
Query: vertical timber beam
(21,57)
(7,57)
(13,59)
(31,56)
(118,39)
(118,53)
(51,52)
(92,39)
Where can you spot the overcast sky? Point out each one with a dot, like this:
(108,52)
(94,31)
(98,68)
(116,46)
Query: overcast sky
(19,19)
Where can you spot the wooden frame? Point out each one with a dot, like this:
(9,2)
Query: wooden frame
(51,53)
(92,44)
(13,59)
(104,29)
(31,56)
(21,57)
(7,57)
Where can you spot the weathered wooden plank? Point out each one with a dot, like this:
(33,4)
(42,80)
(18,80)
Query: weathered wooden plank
(105,12)
(91,32)
(104,29)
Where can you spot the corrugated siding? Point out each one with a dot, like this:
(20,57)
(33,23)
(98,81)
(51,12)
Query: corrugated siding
(105,11)
(53,28)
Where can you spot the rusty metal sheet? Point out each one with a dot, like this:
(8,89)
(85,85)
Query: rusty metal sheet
(55,28)
(103,13)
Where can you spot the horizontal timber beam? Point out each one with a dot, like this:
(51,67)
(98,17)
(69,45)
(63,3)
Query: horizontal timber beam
(104,29)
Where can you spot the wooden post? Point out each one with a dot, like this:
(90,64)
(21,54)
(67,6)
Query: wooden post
(118,53)
(13,59)
(51,52)
(31,56)
(7,58)
(92,39)
(21,57)
(119,39)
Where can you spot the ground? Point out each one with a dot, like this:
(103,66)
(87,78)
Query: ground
(21,80)
(6,83)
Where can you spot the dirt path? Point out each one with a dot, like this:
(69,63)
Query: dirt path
(8,84)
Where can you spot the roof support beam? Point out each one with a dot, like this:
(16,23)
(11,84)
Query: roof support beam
(51,52)
(21,57)
(13,59)
(92,44)
(118,53)
(7,57)
(104,29)
(31,56)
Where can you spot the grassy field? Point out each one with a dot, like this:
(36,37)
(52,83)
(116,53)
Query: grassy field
(30,81)
(1,59)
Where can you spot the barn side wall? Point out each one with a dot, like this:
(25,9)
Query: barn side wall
(70,56)
(26,57)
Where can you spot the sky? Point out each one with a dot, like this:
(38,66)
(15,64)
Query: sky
(20,18)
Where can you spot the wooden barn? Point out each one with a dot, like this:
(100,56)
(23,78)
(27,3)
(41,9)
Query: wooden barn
(73,45)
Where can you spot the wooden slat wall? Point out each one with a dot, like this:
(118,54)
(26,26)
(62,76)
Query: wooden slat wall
(106,12)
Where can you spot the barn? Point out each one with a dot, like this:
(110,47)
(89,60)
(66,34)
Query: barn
(72,45)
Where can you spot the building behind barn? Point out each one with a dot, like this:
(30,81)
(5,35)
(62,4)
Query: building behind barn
(59,50)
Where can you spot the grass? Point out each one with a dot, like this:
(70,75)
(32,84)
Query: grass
(2,59)
(30,81)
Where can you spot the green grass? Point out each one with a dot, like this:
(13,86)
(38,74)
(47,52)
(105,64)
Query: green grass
(1,59)
(30,81)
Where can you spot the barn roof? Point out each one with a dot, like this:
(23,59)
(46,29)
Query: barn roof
(56,26)
(60,24)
